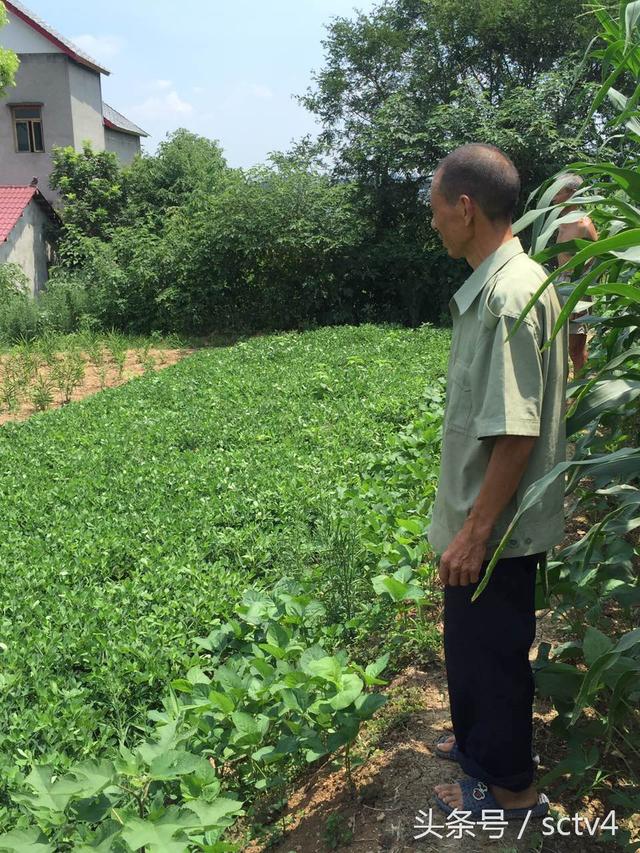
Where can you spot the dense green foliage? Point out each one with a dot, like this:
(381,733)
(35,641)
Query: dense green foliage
(335,231)
(273,699)
(9,62)
(134,519)
(593,583)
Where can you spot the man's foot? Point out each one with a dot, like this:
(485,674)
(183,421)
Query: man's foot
(447,745)
(451,794)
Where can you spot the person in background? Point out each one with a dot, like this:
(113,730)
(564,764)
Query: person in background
(583,229)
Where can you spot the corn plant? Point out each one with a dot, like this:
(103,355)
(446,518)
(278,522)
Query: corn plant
(28,361)
(12,376)
(42,393)
(10,393)
(599,569)
(97,357)
(68,373)
(48,346)
(144,357)
(117,347)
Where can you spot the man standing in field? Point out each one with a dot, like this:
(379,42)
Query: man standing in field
(503,429)
(583,229)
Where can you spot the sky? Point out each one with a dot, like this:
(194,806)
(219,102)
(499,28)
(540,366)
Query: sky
(226,69)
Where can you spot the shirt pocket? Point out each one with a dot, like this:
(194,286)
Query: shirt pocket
(460,403)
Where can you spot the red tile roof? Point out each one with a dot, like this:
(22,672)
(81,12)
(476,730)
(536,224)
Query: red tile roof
(13,201)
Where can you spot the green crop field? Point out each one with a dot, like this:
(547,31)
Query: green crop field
(130,520)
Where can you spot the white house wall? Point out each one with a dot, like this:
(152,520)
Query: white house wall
(22,38)
(125,145)
(27,246)
(86,106)
(41,78)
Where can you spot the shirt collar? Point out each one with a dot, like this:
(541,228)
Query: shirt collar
(466,294)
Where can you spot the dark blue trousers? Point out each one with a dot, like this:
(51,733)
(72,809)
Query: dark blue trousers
(490,680)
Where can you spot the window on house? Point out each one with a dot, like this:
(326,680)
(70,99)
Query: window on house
(27,123)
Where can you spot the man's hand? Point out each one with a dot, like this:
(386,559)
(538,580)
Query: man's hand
(461,563)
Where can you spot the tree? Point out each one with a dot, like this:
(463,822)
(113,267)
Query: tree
(91,187)
(414,56)
(9,62)
(184,163)
(406,83)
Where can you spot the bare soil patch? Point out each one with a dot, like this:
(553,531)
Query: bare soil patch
(93,381)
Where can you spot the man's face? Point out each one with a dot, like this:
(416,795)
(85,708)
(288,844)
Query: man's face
(451,221)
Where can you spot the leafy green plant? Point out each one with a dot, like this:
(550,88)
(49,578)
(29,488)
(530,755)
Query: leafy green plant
(265,695)
(132,521)
(144,357)
(97,356)
(337,832)
(159,797)
(42,393)
(12,378)
(117,347)
(68,373)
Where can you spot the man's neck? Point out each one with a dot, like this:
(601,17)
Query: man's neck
(486,244)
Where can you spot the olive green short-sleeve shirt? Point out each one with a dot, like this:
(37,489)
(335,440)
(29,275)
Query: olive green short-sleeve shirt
(497,387)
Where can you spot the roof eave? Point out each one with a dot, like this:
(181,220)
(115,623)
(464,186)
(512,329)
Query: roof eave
(56,41)
(113,126)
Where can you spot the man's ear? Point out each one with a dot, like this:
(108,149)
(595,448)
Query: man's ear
(468,209)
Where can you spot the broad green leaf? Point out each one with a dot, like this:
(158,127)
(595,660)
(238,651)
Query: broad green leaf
(595,644)
(166,740)
(157,836)
(560,681)
(351,687)
(626,460)
(378,665)
(546,235)
(632,255)
(590,682)
(175,763)
(604,396)
(390,585)
(529,217)
(413,525)
(24,840)
(629,641)
(250,726)
(217,813)
(196,676)
(620,102)
(48,794)
(221,700)
(628,291)
(627,179)
(328,668)
(101,841)
(276,651)
(631,18)
(367,704)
